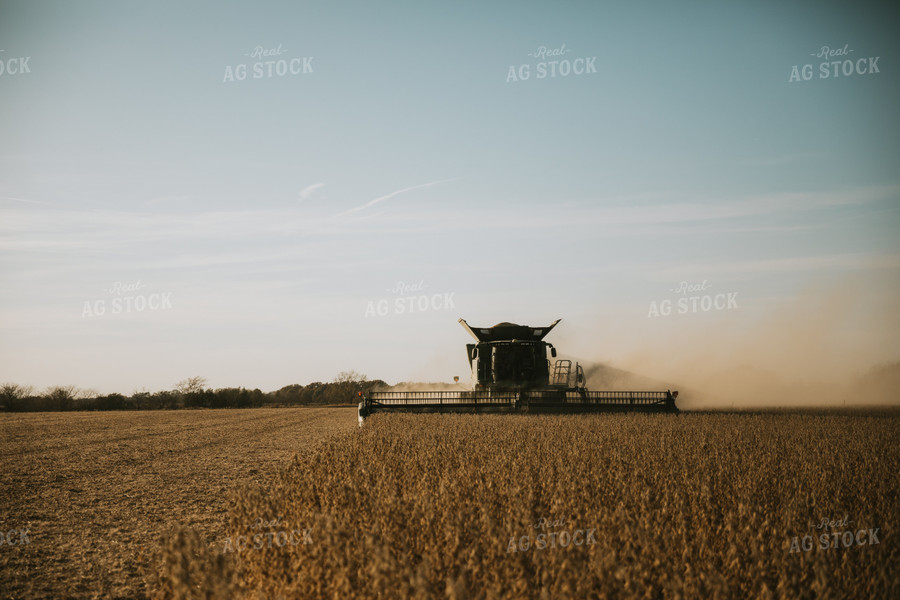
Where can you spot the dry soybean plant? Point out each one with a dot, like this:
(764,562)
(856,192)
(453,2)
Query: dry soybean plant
(526,506)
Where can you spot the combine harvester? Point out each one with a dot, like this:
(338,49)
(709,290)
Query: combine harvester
(511,373)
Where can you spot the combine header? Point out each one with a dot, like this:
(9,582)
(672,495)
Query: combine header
(512,373)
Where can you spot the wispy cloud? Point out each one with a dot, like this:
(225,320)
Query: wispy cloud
(782,265)
(309,190)
(31,232)
(25,201)
(176,200)
(380,199)
(664,214)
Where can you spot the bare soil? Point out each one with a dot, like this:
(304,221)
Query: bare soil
(96,492)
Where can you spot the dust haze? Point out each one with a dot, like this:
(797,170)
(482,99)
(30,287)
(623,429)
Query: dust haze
(831,345)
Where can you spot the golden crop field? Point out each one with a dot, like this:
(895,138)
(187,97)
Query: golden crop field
(300,503)
(524,506)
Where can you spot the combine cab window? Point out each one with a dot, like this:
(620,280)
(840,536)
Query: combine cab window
(519,364)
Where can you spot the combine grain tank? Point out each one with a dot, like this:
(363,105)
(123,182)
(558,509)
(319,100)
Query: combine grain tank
(511,372)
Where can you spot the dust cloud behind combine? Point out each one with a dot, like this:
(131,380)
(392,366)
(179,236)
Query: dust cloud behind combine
(829,346)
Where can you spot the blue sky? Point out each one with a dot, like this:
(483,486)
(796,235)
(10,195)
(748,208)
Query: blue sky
(274,210)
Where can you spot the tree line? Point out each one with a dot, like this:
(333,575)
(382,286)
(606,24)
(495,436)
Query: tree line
(188,393)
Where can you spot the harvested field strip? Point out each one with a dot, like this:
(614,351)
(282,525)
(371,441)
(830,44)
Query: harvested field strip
(67,428)
(98,491)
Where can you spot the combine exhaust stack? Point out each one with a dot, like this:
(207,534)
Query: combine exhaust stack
(512,373)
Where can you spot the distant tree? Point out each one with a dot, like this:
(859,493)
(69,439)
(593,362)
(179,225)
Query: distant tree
(289,394)
(350,377)
(314,392)
(85,399)
(191,385)
(166,400)
(199,399)
(140,399)
(234,398)
(188,393)
(14,391)
(256,397)
(110,402)
(61,397)
(13,396)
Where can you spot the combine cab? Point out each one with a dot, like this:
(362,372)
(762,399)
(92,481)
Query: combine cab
(511,372)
